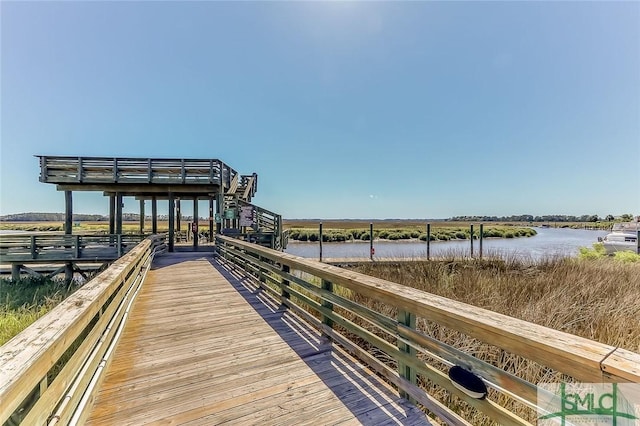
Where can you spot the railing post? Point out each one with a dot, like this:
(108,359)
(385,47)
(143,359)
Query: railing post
(261,276)
(284,294)
(76,243)
(320,240)
(371,241)
(34,249)
(428,241)
(327,285)
(407,372)
(471,238)
(119,242)
(481,237)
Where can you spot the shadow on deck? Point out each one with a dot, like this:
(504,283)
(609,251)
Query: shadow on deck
(366,396)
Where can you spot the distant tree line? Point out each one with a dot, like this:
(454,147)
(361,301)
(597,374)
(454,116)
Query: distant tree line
(59,217)
(50,217)
(545,218)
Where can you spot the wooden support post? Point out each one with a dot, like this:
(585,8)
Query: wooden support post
(327,285)
(118,213)
(371,241)
(171,221)
(154,215)
(211,215)
(196,231)
(407,372)
(178,216)
(220,206)
(471,238)
(284,294)
(68,212)
(68,272)
(428,241)
(320,240)
(112,214)
(481,237)
(15,271)
(142,216)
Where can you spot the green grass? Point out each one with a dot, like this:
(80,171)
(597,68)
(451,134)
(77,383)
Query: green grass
(598,252)
(23,302)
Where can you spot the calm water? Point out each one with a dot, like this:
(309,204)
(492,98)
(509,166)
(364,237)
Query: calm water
(548,242)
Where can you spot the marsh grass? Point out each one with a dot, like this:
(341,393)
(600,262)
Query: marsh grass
(394,234)
(24,301)
(598,299)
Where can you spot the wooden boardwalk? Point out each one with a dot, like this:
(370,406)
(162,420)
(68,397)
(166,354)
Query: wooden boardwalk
(203,346)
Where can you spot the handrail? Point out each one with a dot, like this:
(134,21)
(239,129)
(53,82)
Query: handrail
(286,277)
(250,185)
(51,247)
(51,356)
(268,222)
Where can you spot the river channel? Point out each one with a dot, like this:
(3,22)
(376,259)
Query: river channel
(548,242)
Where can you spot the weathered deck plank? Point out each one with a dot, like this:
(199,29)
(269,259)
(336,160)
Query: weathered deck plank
(201,347)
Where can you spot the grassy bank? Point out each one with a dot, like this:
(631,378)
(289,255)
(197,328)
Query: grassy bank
(420,224)
(440,233)
(24,301)
(597,299)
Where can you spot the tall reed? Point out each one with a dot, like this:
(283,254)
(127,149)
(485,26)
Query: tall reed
(596,299)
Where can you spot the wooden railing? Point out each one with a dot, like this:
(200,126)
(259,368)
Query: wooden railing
(96,170)
(49,370)
(249,185)
(60,247)
(268,225)
(332,298)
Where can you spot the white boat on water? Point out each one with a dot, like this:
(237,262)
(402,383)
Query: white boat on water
(623,237)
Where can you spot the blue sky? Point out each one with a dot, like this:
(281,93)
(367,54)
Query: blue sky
(345,110)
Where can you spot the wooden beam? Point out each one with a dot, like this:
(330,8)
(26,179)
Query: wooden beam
(195,224)
(171,221)
(142,216)
(154,215)
(178,215)
(112,214)
(211,216)
(118,213)
(136,189)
